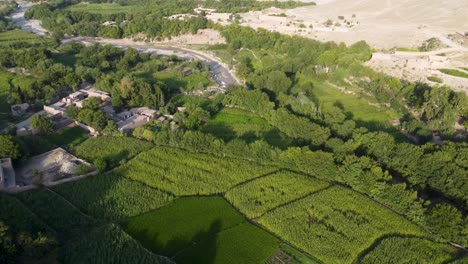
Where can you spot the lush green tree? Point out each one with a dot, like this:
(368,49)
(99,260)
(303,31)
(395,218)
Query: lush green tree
(192,118)
(447,222)
(42,123)
(8,148)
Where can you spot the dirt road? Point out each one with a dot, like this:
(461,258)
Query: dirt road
(220,72)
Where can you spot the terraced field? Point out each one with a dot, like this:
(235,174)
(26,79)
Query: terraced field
(202,230)
(195,174)
(17,36)
(293,215)
(263,194)
(336,218)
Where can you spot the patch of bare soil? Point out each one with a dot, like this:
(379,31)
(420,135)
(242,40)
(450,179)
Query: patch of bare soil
(51,166)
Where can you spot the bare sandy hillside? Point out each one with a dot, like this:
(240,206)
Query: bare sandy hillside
(382,23)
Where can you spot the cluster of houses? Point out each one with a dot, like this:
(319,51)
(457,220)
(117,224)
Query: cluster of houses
(126,121)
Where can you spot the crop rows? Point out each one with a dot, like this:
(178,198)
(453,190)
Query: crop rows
(108,244)
(263,194)
(113,150)
(18,217)
(190,173)
(409,250)
(335,225)
(15,36)
(112,197)
(56,212)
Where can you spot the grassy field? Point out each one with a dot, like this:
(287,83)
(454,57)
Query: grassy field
(105,8)
(336,224)
(410,250)
(13,37)
(357,107)
(454,72)
(195,174)
(435,79)
(231,123)
(112,197)
(202,230)
(261,195)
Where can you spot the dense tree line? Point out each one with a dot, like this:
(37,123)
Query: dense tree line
(419,182)
(425,108)
(110,68)
(150,21)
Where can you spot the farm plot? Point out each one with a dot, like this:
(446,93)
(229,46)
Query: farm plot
(112,150)
(261,195)
(112,197)
(231,123)
(18,217)
(183,173)
(105,8)
(18,36)
(410,250)
(57,213)
(108,244)
(244,243)
(202,230)
(335,225)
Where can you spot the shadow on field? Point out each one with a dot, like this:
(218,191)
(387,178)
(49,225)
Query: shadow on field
(201,248)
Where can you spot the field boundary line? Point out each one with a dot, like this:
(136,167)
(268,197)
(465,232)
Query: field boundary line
(255,223)
(81,211)
(253,179)
(46,224)
(293,201)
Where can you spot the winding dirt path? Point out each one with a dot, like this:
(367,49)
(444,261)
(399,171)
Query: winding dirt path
(220,71)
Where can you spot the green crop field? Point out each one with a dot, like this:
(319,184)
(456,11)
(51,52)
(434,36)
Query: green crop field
(202,230)
(105,8)
(18,216)
(112,150)
(108,244)
(231,123)
(410,250)
(195,174)
(13,37)
(261,195)
(58,213)
(335,225)
(112,197)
